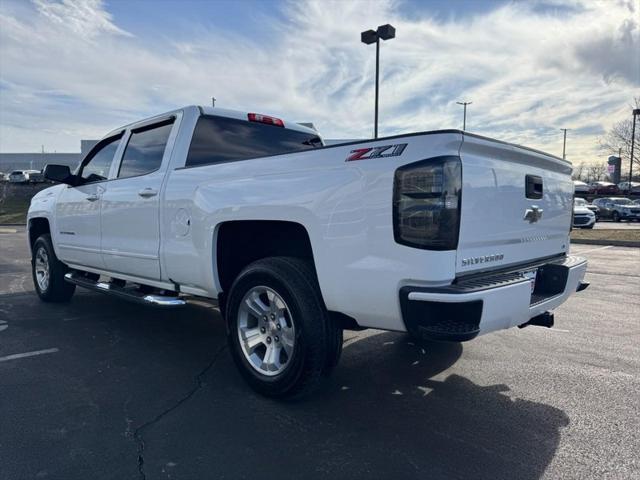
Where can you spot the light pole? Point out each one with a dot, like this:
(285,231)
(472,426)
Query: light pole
(564,143)
(464,115)
(384,32)
(636,112)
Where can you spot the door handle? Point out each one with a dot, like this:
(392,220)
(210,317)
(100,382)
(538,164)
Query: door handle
(147,193)
(93,197)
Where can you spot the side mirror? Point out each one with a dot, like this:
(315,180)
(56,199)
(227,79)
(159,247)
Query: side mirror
(60,174)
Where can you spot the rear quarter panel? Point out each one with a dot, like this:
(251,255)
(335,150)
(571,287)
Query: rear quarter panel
(346,208)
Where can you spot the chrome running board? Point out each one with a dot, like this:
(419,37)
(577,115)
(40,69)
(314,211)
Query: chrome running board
(132,295)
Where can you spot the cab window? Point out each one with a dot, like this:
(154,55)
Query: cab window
(95,167)
(145,150)
(220,139)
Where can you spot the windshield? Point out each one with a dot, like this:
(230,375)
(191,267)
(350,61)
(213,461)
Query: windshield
(580,202)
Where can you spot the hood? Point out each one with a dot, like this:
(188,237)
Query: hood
(47,192)
(582,210)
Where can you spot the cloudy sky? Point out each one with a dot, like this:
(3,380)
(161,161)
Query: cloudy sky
(72,69)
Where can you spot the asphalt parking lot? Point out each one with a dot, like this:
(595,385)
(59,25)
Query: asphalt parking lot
(99,388)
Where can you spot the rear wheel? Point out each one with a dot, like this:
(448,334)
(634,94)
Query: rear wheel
(280,334)
(48,272)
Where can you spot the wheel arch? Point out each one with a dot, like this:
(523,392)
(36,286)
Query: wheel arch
(238,243)
(37,226)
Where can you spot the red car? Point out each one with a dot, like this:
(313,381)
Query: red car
(606,188)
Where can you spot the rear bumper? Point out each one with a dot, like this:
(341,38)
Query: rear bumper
(484,304)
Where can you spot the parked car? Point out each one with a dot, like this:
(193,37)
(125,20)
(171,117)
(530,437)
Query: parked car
(3,177)
(624,187)
(605,188)
(18,176)
(582,216)
(580,187)
(34,176)
(636,202)
(617,208)
(297,241)
(581,202)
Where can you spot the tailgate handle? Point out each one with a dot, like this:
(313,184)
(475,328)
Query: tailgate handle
(533,186)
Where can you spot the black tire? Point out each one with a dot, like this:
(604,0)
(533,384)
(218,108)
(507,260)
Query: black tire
(57,289)
(590,227)
(335,347)
(318,338)
(615,216)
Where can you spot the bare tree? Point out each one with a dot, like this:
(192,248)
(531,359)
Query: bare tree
(618,141)
(579,172)
(596,173)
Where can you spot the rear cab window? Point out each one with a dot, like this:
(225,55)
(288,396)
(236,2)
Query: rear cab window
(220,139)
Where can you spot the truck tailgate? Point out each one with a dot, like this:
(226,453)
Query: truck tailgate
(507,217)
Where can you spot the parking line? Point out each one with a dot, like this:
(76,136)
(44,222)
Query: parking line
(16,356)
(594,249)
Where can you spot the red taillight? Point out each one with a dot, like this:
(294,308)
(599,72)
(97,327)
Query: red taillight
(257,117)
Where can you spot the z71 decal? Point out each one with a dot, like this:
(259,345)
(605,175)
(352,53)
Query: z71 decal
(376,152)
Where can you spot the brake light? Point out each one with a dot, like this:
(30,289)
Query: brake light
(257,117)
(426,203)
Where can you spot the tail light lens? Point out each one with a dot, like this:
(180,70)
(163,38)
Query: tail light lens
(426,203)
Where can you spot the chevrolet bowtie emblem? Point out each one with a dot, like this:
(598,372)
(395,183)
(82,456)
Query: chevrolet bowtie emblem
(533,214)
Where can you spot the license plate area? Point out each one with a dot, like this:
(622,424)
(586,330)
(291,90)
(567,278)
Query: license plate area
(547,281)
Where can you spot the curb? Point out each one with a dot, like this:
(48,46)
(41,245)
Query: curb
(614,243)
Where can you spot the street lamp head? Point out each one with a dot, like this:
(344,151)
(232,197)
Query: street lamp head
(636,111)
(386,32)
(369,37)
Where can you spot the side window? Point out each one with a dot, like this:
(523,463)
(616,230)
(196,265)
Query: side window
(97,164)
(145,150)
(220,139)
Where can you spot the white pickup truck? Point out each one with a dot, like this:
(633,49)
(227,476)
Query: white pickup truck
(445,235)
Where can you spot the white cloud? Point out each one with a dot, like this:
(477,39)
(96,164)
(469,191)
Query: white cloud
(67,71)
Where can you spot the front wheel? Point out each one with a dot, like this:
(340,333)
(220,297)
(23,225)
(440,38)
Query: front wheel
(615,217)
(280,334)
(48,272)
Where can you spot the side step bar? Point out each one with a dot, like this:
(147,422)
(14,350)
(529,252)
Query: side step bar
(125,293)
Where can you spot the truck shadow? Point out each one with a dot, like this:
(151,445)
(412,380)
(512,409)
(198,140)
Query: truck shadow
(391,410)
(384,416)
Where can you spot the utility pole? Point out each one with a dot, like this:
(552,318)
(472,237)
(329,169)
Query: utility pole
(636,112)
(464,115)
(564,143)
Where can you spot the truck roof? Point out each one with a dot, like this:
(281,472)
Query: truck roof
(218,112)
